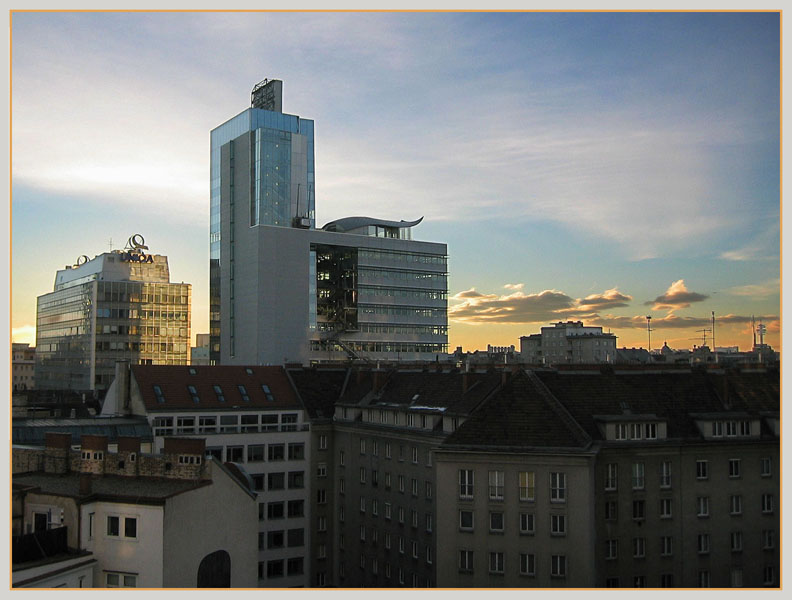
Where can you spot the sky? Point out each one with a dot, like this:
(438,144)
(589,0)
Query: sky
(580,166)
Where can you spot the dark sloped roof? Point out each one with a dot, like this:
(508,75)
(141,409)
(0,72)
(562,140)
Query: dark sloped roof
(319,389)
(519,415)
(431,389)
(33,431)
(173,381)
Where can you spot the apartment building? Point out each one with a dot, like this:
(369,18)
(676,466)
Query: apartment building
(568,342)
(249,416)
(131,518)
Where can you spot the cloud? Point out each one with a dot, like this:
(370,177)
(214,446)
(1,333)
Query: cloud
(760,290)
(672,321)
(514,308)
(676,296)
(514,286)
(26,334)
(471,293)
(612,298)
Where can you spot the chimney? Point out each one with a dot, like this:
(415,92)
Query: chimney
(129,444)
(85,484)
(57,447)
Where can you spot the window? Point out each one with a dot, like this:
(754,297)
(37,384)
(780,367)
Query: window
(639,547)
(496,562)
(362,534)
(527,524)
(767,503)
(702,469)
(120,580)
(428,522)
(703,506)
(735,505)
(466,483)
(113,526)
(362,446)
(321,524)
(274,539)
(636,431)
(387,540)
(734,468)
(621,431)
(320,579)
(387,450)
(414,549)
(401,545)
(638,476)
(276,481)
(665,508)
(736,541)
(703,578)
(401,484)
(558,524)
(387,480)
(611,510)
(717,429)
(341,513)
(341,457)
(703,543)
(429,554)
(736,577)
(466,520)
(557,487)
(612,477)
(428,490)
(401,576)
(322,442)
(665,474)
(401,515)
(639,509)
(289,422)
(207,424)
(321,470)
(321,496)
(267,393)
(269,422)
(666,545)
(651,431)
(466,560)
(275,510)
(414,518)
(375,507)
(558,565)
(768,576)
(387,510)
(768,539)
(496,485)
(276,451)
(527,485)
(414,487)
(639,581)
(415,455)
(255,453)
(766,467)
(375,448)
(362,474)
(130,527)
(234,453)
(611,549)
(496,521)
(296,451)
(611,582)
(296,508)
(91,525)
(275,568)
(341,485)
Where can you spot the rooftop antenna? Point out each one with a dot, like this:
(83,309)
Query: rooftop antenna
(713,336)
(753,329)
(704,331)
(649,330)
(110,243)
(761,329)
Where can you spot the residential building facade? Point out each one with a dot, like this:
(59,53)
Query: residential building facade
(568,342)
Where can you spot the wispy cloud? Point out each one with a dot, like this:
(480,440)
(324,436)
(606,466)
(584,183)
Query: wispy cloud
(514,286)
(757,290)
(676,296)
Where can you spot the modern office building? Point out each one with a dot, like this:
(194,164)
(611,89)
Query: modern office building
(568,342)
(119,305)
(282,290)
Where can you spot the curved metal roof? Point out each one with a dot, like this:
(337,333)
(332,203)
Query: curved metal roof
(350,223)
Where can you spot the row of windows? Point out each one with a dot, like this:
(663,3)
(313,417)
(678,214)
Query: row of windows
(702,507)
(391,255)
(636,431)
(374,447)
(403,329)
(388,510)
(134,313)
(117,526)
(361,346)
(400,311)
(278,481)
(273,569)
(416,579)
(526,485)
(527,563)
(703,579)
(666,544)
(279,510)
(734,469)
(190,425)
(526,522)
(281,538)
(638,472)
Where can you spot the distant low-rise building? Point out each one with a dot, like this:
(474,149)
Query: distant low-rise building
(23,361)
(568,342)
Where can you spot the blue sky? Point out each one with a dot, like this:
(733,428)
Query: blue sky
(578,165)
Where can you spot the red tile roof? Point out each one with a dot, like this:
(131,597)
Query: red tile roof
(173,382)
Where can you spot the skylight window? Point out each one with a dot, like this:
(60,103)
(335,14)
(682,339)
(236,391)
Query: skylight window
(243,393)
(219,391)
(268,393)
(193,393)
(158,394)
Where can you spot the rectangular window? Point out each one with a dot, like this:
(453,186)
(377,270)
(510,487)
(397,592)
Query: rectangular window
(665,508)
(702,469)
(321,496)
(736,541)
(362,446)
(704,579)
(414,518)
(341,515)
(415,455)
(527,524)
(735,505)
(557,487)
(321,524)
(496,479)
(341,485)
(414,549)
(558,524)
(375,507)
(736,577)
(767,503)
(612,477)
(276,481)
(130,527)
(428,489)
(387,510)
(768,539)
(275,510)
(496,562)
(639,581)
(362,504)
(321,470)
(275,568)
(466,483)
(621,431)
(322,442)
(702,506)
(341,457)
(666,545)
(414,487)
(362,534)
(496,521)
(113,526)
(296,480)
(401,545)
(611,511)
(466,560)
(703,543)
(768,575)
(651,431)
(234,453)
(274,539)
(362,474)
(401,515)
(296,508)
(428,522)
(766,467)
(734,468)
(527,485)
(401,484)
(255,453)
(639,509)
(558,565)
(296,451)
(429,555)
(639,547)
(611,549)
(638,478)
(387,450)
(611,582)
(466,520)
(375,448)
(665,474)
(276,452)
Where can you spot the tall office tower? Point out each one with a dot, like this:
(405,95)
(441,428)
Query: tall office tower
(282,290)
(117,305)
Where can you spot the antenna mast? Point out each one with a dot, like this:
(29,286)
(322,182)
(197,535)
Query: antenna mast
(649,330)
